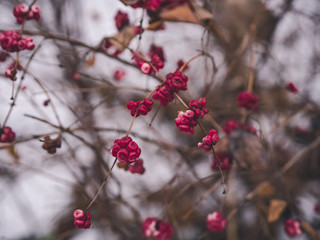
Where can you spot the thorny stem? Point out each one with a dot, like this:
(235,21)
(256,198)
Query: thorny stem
(102,185)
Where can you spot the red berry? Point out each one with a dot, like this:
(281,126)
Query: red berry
(137,167)
(81,219)
(248,100)
(216,222)
(7,135)
(208,141)
(118,75)
(224,159)
(291,87)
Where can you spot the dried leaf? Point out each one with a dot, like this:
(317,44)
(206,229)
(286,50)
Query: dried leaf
(275,209)
(14,154)
(123,38)
(155,25)
(90,61)
(183,13)
(266,190)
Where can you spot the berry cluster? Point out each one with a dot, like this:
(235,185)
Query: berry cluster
(291,87)
(159,230)
(232,125)
(125,150)
(225,160)
(23,12)
(51,145)
(140,107)
(199,107)
(174,83)
(81,219)
(216,222)
(292,227)
(186,121)
(11,41)
(210,140)
(121,19)
(248,100)
(7,135)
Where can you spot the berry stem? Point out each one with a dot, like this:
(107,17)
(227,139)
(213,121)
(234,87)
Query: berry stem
(190,60)
(102,185)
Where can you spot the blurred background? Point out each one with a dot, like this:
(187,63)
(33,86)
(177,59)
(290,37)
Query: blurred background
(69,90)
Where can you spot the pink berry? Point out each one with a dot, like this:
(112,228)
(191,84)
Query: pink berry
(208,141)
(118,75)
(156,50)
(292,227)
(7,135)
(81,219)
(157,229)
(291,87)
(216,222)
(124,141)
(145,68)
(138,30)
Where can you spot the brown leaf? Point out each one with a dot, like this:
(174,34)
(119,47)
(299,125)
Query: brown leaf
(90,61)
(14,154)
(155,25)
(183,13)
(275,209)
(129,2)
(310,230)
(266,190)
(123,38)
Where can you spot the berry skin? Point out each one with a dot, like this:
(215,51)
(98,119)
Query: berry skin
(145,68)
(7,135)
(248,100)
(121,19)
(292,228)
(138,30)
(157,229)
(210,140)
(81,219)
(216,222)
(291,87)
(125,150)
